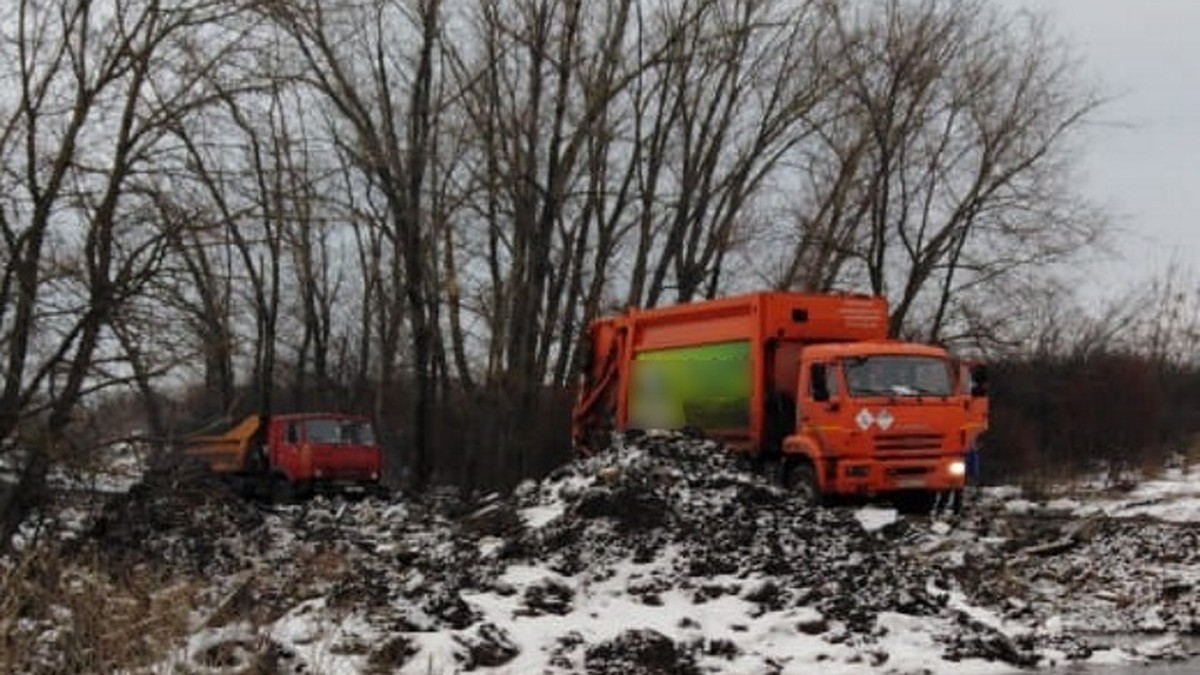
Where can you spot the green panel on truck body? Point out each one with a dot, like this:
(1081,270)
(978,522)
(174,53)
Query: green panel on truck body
(707,387)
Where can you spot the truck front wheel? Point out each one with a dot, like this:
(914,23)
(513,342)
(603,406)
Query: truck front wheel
(800,477)
(283,490)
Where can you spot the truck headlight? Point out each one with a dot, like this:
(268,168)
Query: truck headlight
(957,469)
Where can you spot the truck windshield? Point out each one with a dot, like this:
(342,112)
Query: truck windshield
(345,432)
(892,375)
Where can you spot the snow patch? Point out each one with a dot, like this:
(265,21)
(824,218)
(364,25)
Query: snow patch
(874,518)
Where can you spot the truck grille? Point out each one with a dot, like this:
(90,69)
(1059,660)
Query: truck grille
(907,442)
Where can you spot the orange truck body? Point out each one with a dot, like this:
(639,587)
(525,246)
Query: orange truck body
(304,450)
(784,377)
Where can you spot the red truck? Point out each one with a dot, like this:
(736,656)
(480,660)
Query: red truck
(809,384)
(295,454)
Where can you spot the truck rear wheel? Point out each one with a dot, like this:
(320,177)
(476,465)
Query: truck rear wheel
(800,478)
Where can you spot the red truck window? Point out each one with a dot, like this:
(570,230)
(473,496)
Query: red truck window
(339,432)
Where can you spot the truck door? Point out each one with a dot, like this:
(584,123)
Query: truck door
(285,451)
(819,403)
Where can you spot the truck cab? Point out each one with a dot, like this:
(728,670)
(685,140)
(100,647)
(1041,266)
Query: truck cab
(293,452)
(879,417)
(324,448)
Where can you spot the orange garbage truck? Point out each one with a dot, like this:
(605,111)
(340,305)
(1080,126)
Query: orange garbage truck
(294,454)
(807,384)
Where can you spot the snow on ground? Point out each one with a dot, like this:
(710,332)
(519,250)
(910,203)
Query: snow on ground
(662,556)
(873,518)
(1174,497)
(114,468)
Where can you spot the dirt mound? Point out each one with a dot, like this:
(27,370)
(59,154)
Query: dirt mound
(181,517)
(707,563)
(640,652)
(671,496)
(1124,575)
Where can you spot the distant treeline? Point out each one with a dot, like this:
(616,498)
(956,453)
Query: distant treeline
(1108,414)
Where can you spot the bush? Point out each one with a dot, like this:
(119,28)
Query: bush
(1054,417)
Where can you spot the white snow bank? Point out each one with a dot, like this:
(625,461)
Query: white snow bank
(1174,497)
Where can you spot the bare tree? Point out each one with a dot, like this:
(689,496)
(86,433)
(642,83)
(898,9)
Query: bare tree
(539,90)
(382,89)
(741,86)
(604,131)
(470,184)
(96,90)
(943,163)
(319,284)
(198,288)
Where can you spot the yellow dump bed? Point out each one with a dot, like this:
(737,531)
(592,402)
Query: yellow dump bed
(225,453)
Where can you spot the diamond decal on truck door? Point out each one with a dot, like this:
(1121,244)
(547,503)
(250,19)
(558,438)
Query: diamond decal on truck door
(864,419)
(884,419)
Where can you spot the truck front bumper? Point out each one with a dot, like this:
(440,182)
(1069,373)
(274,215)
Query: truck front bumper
(871,477)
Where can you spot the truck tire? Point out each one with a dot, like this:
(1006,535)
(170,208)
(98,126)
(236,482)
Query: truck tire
(915,502)
(283,491)
(952,502)
(800,478)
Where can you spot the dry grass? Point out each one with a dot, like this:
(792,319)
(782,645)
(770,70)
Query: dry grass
(73,616)
(65,611)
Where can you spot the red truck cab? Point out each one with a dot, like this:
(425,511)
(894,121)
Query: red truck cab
(324,448)
(295,452)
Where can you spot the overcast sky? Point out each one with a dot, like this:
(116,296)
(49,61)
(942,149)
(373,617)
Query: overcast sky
(1142,156)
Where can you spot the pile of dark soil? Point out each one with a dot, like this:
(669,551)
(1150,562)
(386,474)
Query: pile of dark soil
(694,519)
(687,497)
(181,518)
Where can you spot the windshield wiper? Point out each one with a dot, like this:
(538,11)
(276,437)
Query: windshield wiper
(872,391)
(913,390)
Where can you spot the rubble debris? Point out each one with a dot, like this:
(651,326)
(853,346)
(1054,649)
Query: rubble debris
(488,646)
(661,521)
(640,652)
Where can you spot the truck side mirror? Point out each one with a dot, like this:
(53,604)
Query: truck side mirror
(979,380)
(818,377)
